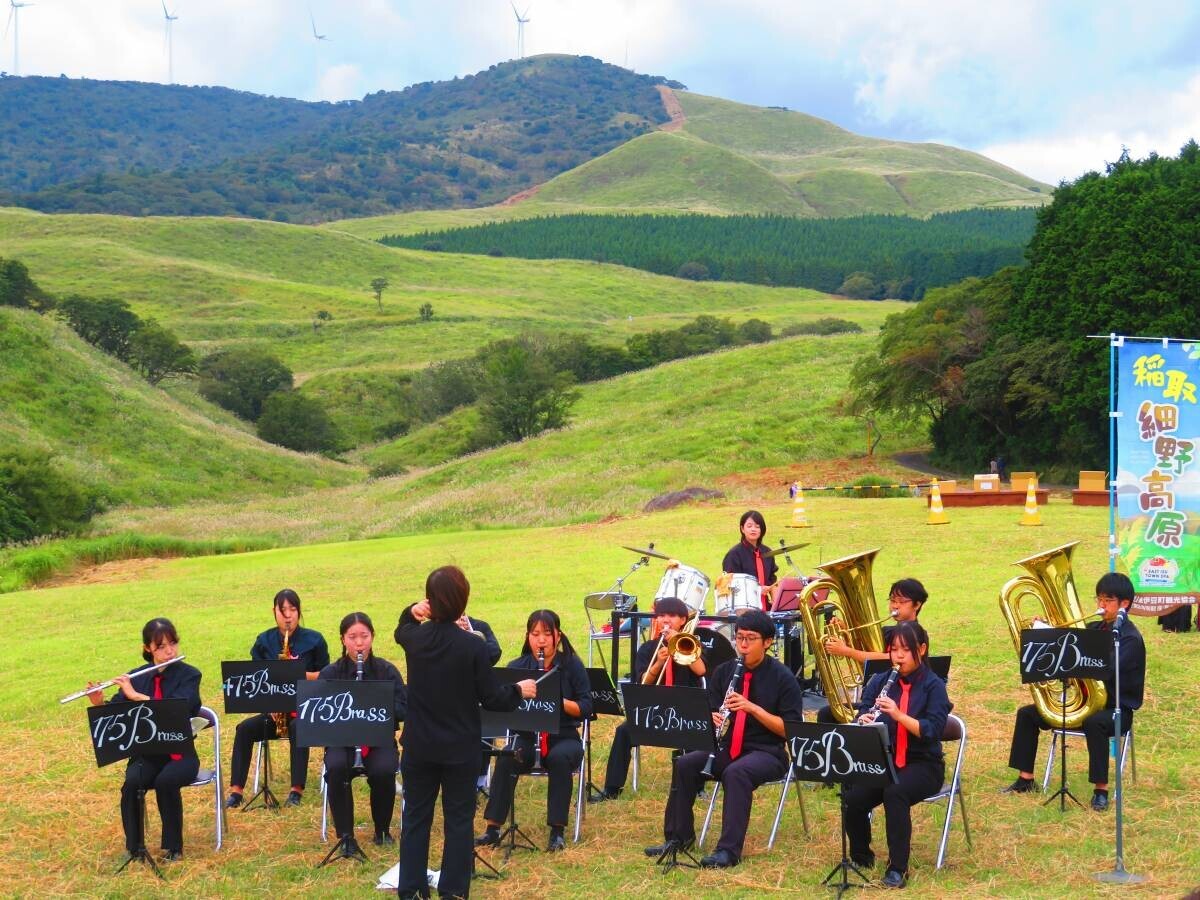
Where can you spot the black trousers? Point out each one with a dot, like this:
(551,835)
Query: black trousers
(738,778)
(167,777)
(1180,620)
(254,729)
(423,779)
(1097,729)
(566,752)
(380,764)
(617,772)
(919,779)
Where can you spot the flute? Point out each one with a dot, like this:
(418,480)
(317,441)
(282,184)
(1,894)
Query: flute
(107,684)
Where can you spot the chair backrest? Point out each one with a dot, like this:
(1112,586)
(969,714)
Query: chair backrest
(954,729)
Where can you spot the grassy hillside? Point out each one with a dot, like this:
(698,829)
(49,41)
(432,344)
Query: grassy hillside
(700,421)
(139,444)
(218,282)
(62,811)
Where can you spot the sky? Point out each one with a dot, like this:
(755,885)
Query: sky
(1053,88)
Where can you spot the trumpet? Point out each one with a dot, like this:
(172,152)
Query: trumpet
(107,684)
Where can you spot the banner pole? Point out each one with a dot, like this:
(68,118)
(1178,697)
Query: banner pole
(1112,452)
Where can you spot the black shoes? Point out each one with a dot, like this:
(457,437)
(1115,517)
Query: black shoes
(1100,801)
(894,878)
(722,859)
(601,796)
(557,841)
(1020,786)
(863,860)
(667,846)
(384,839)
(351,850)
(293,798)
(489,838)
(234,801)
(171,856)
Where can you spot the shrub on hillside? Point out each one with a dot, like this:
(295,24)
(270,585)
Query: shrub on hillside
(38,498)
(157,353)
(824,325)
(108,324)
(754,331)
(292,420)
(522,393)
(693,271)
(859,285)
(18,289)
(241,379)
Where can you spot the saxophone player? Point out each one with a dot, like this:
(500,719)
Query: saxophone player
(301,643)
(753,752)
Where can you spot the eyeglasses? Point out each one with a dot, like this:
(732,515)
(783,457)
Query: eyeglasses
(748,638)
(899,598)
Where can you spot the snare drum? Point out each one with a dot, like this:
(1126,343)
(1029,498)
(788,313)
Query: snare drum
(686,584)
(744,593)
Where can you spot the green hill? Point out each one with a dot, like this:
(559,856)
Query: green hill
(139,445)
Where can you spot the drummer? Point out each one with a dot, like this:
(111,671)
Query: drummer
(747,556)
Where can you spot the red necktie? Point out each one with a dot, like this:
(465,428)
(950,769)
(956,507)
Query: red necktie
(158,696)
(901,731)
(758,564)
(670,677)
(739,724)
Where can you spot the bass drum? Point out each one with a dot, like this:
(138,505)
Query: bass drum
(717,648)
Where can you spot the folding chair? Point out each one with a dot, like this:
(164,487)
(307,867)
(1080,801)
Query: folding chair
(956,730)
(604,602)
(785,782)
(207,720)
(1128,751)
(580,779)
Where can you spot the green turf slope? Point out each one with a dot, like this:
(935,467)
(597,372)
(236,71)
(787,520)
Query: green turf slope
(66,399)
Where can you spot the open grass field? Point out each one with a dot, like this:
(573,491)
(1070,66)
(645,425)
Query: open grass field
(689,422)
(62,832)
(220,282)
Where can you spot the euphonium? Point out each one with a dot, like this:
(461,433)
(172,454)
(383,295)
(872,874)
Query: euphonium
(850,597)
(1049,582)
(281,718)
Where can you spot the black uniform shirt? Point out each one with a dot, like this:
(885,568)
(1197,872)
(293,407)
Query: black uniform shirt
(304,644)
(1133,666)
(489,636)
(928,703)
(773,687)
(740,560)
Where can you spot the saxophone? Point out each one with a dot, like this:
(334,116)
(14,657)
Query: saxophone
(281,718)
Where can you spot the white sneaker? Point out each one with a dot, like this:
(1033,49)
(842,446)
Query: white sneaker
(432,876)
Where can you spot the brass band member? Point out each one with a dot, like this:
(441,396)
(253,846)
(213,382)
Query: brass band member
(746,556)
(561,753)
(655,665)
(167,774)
(380,763)
(915,712)
(1114,591)
(753,753)
(449,678)
(303,644)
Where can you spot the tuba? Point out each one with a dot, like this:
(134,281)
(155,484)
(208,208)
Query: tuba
(281,718)
(850,597)
(1050,585)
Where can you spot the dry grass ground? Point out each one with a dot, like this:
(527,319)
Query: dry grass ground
(62,835)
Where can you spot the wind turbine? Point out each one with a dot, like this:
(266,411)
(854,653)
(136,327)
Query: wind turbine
(522,20)
(170,44)
(319,37)
(15,21)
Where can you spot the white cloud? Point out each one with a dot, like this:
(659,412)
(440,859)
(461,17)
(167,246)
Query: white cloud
(340,82)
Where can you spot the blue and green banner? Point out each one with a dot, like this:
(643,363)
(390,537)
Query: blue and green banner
(1158,466)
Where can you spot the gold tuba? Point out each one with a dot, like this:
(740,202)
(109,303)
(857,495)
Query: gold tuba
(1049,582)
(850,596)
(280,718)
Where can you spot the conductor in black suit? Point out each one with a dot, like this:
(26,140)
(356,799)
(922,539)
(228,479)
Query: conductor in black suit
(449,677)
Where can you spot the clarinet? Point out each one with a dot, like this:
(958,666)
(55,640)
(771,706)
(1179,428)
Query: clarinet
(358,676)
(873,712)
(723,712)
(537,738)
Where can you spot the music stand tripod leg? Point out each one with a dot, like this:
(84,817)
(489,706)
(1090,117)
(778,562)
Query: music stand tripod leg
(846,866)
(141,853)
(1063,791)
(341,848)
(269,800)
(513,831)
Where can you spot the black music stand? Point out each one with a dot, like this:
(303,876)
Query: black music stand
(269,800)
(261,686)
(1060,654)
(512,832)
(141,854)
(846,755)
(489,751)
(604,703)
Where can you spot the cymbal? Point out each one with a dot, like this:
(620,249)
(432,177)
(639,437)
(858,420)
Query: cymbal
(641,551)
(781,550)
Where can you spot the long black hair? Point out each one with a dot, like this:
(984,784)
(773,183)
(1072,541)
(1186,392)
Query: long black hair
(347,667)
(548,618)
(287,595)
(757,517)
(912,635)
(156,632)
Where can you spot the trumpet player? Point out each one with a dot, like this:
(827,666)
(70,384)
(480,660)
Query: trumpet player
(1114,592)
(654,664)
(301,643)
(752,752)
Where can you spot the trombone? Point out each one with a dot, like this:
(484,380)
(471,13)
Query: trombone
(107,684)
(683,647)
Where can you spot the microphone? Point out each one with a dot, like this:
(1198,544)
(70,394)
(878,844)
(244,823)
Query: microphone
(1122,615)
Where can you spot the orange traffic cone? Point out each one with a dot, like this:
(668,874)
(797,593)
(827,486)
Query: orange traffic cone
(937,515)
(1033,515)
(799,517)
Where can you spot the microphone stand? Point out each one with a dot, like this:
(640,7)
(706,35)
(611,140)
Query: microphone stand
(1118,875)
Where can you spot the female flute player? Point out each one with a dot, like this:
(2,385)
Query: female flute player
(303,644)
(166,773)
(915,711)
(449,678)
(561,753)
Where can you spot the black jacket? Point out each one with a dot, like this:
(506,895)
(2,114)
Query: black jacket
(1133,666)
(740,559)
(773,687)
(575,686)
(928,703)
(304,644)
(179,682)
(374,669)
(449,677)
(489,636)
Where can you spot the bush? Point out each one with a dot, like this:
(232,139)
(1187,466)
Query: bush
(754,331)
(37,498)
(108,324)
(824,325)
(693,271)
(17,288)
(859,285)
(297,422)
(241,379)
(157,353)
(871,486)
